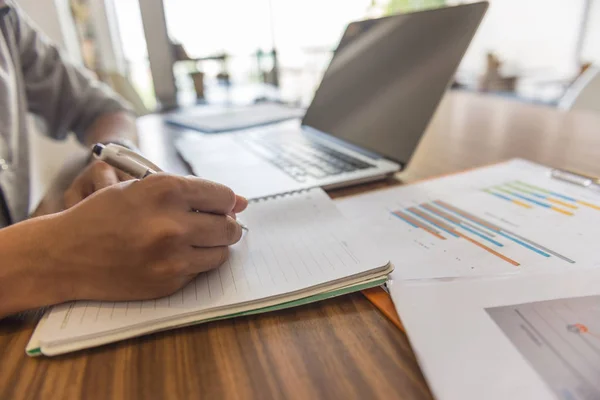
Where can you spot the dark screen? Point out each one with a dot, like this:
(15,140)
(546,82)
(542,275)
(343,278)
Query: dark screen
(388,75)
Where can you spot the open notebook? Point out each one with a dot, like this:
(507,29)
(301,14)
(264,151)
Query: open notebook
(299,249)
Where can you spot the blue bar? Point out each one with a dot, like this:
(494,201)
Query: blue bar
(547,191)
(524,244)
(472,220)
(465,228)
(405,220)
(482,236)
(432,223)
(499,195)
(563,197)
(539,203)
(539,196)
(500,233)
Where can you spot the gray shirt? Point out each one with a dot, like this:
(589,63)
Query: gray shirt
(35,78)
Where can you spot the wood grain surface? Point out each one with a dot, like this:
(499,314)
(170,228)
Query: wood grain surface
(341,348)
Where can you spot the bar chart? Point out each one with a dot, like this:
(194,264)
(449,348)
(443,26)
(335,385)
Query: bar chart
(502,220)
(445,221)
(526,195)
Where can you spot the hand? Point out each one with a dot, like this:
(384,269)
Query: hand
(140,239)
(96,175)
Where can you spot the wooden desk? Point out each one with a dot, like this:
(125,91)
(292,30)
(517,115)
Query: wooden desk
(340,348)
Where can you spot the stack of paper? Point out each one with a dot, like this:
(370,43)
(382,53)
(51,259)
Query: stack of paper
(497,280)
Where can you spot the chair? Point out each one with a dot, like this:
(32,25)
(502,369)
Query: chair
(584,93)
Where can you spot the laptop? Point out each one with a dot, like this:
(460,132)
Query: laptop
(375,100)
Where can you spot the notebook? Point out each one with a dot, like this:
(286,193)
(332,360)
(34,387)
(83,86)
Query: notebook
(299,249)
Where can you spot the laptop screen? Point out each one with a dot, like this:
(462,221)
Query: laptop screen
(388,75)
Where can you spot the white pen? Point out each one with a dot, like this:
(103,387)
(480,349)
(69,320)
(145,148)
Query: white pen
(125,160)
(576,178)
(129,162)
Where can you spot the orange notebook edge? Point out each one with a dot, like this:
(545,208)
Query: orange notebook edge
(382,300)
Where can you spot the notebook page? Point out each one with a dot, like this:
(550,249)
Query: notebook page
(295,242)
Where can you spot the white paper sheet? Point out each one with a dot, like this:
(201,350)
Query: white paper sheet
(465,353)
(504,219)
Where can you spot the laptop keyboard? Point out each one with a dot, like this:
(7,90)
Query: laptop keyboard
(301,157)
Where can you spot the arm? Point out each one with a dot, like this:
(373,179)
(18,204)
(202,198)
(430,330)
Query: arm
(131,241)
(67,97)
(23,285)
(111,127)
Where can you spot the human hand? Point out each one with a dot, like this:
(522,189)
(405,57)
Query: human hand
(95,176)
(140,239)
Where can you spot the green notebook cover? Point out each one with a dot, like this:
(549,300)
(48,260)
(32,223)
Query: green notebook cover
(37,351)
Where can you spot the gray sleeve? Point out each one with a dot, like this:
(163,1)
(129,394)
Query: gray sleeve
(68,98)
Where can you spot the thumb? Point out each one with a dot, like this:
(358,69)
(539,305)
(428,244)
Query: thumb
(103,175)
(240,204)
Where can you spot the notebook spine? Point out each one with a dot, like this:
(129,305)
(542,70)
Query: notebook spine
(280,195)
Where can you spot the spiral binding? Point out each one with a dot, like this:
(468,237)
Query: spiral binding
(280,195)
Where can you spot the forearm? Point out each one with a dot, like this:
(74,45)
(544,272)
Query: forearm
(26,279)
(112,126)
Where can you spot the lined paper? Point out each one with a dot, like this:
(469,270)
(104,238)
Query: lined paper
(295,242)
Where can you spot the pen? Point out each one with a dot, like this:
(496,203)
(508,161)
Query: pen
(129,162)
(576,178)
(125,160)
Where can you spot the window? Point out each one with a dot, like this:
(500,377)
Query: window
(135,51)
(536,41)
(303,32)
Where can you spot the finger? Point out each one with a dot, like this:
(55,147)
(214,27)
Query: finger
(240,204)
(205,259)
(73,196)
(80,189)
(123,176)
(207,196)
(211,230)
(103,175)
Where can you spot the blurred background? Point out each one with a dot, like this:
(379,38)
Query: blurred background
(251,50)
(162,54)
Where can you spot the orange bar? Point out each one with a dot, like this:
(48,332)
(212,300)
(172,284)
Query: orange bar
(562,203)
(595,207)
(432,220)
(476,243)
(442,213)
(561,211)
(521,203)
(467,215)
(419,224)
